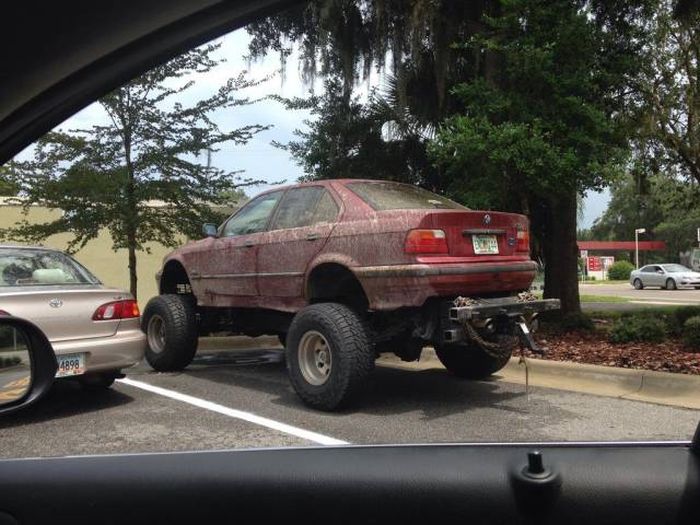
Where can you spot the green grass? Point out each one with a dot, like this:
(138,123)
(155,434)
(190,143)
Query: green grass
(603,299)
(655,311)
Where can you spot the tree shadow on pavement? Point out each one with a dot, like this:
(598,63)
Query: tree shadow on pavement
(65,399)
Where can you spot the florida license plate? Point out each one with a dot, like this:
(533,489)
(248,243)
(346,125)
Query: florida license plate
(485,244)
(70,365)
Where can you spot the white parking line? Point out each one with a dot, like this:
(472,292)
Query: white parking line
(238,414)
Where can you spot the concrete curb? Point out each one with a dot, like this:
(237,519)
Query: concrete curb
(662,388)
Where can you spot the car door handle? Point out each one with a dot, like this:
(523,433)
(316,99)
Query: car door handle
(312,236)
(248,244)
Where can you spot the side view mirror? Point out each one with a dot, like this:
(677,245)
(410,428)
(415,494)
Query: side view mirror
(27,364)
(660,272)
(209,230)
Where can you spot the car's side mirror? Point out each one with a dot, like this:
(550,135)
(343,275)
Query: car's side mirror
(27,364)
(660,272)
(209,230)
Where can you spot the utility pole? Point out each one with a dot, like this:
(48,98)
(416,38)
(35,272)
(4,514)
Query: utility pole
(636,245)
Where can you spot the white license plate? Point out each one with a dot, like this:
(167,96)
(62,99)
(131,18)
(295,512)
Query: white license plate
(485,244)
(70,365)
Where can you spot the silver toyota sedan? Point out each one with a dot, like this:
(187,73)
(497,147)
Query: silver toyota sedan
(668,276)
(95,330)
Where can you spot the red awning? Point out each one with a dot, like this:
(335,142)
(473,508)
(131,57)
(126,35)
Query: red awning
(619,246)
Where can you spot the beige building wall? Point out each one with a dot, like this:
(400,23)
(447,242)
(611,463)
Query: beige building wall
(109,266)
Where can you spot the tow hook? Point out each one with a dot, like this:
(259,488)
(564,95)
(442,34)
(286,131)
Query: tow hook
(526,338)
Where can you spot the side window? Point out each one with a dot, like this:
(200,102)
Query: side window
(326,209)
(649,269)
(297,208)
(253,216)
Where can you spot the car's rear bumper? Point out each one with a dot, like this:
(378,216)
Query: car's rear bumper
(395,286)
(123,349)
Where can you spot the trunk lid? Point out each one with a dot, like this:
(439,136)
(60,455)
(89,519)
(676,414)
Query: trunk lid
(479,233)
(65,312)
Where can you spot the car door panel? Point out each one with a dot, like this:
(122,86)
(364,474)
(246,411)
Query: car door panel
(650,277)
(285,253)
(582,483)
(229,271)
(227,266)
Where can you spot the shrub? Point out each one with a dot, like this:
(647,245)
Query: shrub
(620,271)
(638,328)
(691,332)
(676,319)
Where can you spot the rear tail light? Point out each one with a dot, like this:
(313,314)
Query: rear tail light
(426,241)
(127,309)
(523,241)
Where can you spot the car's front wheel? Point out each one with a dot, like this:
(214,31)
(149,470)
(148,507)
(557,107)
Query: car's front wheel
(329,354)
(170,324)
(638,284)
(670,284)
(470,361)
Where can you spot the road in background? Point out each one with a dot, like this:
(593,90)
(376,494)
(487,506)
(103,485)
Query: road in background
(647,296)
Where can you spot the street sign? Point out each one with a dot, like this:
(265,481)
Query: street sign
(594,264)
(607,261)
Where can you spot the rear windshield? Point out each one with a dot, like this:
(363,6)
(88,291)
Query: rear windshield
(26,267)
(383,196)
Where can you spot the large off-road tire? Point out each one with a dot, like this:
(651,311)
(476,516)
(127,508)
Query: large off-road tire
(670,284)
(470,361)
(329,355)
(638,285)
(170,324)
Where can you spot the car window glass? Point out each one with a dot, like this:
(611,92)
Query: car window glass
(675,268)
(297,208)
(394,196)
(326,209)
(27,267)
(253,217)
(648,269)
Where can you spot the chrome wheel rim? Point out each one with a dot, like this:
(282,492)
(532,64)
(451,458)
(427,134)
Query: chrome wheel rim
(315,358)
(156,334)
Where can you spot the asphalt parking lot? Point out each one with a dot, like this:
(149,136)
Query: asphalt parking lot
(241,398)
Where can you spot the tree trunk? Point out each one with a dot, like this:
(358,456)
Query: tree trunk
(561,253)
(133,278)
(132,211)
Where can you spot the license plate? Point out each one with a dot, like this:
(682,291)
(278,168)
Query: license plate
(70,365)
(485,244)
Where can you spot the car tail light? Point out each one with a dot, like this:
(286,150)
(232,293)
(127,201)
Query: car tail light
(426,241)
(523,241)
(117,310)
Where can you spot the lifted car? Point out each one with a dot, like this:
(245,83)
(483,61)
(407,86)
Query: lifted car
(344,270)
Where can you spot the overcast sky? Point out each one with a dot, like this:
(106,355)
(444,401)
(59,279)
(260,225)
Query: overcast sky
(258,158)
